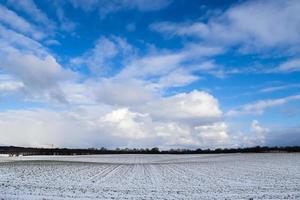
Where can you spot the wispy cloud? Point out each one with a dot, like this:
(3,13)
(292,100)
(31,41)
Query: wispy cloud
(9,84)
(260,106)
(31,9)
(14,21)
(99,59)
(250,24)
(106,7)
(278,88)
(289,66)
(32,65)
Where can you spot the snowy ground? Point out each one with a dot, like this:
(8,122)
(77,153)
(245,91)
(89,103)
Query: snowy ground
(229,176)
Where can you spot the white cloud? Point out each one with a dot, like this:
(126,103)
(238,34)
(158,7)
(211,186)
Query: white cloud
(113,126)
(112,91)
(30,8)
(126,124)
(17,23)
(64,22)
(254,24)
(257,128)
(52,42)
(260,106)
(30,63)
(147,5)
(255,135)
(8,84)
(84,5)
(195,50)
(38,72)
(123,92)
(123,101)
(182,29)
(84,127)
(44,127)
(155,65)
(177,78)
(208,67)
(194,107)
(175,134)
(106,7)
(215,134)
(156,70)
(288,66)
(10,40)
(131,27)
(99,59)
(78,93)
(177,68)
(32,67)
(142,77)
(280,87)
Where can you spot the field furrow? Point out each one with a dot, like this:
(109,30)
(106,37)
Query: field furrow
(231,176)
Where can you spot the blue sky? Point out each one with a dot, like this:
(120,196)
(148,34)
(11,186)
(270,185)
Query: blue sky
(195,74)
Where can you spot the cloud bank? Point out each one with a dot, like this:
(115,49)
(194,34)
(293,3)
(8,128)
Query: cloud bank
(124,92)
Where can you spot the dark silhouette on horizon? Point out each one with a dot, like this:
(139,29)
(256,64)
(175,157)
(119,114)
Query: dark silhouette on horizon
(26,151)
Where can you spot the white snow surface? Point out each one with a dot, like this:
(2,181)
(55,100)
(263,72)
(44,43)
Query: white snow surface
(219,176)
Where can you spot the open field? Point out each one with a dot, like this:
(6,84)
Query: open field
(222,176)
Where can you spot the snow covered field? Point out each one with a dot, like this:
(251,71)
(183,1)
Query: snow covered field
(229,176)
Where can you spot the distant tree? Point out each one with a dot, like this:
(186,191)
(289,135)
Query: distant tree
(155,150)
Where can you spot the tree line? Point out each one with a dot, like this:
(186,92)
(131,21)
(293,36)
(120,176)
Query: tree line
(25,151)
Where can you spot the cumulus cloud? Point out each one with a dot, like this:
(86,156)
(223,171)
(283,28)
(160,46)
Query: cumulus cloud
(126,124)
(249,134)
(258,133)
(260,106)
(84,127)
(251,24)
(112,126)
(213,134)
(191,107)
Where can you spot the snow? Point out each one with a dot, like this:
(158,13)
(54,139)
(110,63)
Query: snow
(220,176)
